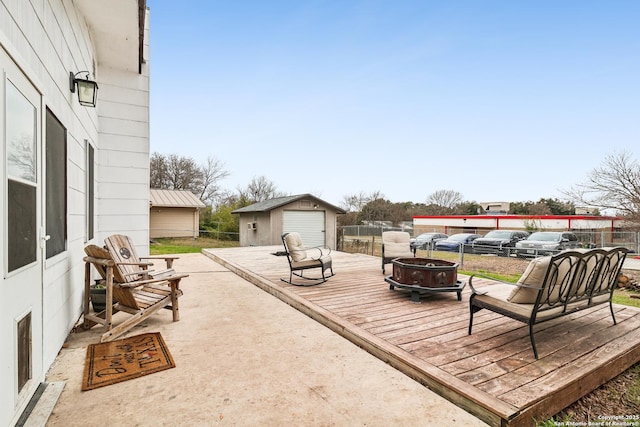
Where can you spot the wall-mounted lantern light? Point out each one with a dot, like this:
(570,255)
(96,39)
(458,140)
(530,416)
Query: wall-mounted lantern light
(87,89)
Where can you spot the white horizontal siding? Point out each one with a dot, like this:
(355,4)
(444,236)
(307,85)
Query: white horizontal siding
(47,39)
(112,224)
(124,126)
(106,207)
(137,113)
(125,144)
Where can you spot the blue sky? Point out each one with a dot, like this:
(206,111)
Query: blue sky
(497,100)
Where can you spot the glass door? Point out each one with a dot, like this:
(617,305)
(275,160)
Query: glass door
(22,287)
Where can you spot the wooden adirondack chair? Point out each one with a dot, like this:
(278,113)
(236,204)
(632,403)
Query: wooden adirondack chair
(132,266)
(130,288)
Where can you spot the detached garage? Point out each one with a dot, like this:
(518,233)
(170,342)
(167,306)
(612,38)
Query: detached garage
(263,223)
(174,213)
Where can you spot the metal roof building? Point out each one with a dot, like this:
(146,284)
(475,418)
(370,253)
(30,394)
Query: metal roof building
(263,223)
(174,213)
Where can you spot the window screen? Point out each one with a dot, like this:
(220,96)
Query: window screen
(56,186)
(90,189)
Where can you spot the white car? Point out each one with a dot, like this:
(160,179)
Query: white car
(427,240)
(547,243)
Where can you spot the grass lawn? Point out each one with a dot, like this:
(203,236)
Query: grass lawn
(625,297)
(187,245)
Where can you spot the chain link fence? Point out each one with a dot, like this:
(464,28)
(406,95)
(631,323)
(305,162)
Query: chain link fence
(368,240)
(364,239)
(215,234)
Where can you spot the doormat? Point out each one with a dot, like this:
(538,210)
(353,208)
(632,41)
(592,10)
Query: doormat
(121,360)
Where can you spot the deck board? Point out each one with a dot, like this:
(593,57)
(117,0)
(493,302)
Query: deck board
(491,373)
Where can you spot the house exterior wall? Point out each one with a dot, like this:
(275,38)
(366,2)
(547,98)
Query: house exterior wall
(174,222)
(47,39)
(123,161)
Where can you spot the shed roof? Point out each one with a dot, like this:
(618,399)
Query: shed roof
(271,204)
(175,199)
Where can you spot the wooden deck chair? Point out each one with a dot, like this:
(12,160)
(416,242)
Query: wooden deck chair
(396,244)
(138,295)
(132,266)
(302,258)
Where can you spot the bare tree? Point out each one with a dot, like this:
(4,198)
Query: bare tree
(614,185)
(355,202)
(158,171)
(259,190)
(183,173)
(445,198)
(174,172)
(22,158)
(212,173)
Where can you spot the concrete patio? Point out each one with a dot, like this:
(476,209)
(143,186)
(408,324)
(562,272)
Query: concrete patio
(245,358)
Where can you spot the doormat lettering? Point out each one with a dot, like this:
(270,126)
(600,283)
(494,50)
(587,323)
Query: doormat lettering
(121,360)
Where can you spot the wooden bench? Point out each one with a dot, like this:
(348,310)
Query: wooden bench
(553,286)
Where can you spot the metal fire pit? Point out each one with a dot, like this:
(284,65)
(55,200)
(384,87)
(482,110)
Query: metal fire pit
(425,275)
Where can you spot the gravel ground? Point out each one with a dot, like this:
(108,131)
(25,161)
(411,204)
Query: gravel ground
(494,264)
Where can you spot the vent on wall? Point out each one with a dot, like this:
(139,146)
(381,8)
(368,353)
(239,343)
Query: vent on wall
(251,226)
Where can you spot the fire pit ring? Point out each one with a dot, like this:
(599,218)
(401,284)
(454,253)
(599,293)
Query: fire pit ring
(425,275)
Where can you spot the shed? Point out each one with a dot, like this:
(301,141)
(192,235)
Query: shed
(263,223)
(174,213)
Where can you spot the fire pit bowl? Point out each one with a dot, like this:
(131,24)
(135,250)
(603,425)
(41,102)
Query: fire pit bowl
(426,272)
(425,275)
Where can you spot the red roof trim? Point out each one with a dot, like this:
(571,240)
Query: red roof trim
(564,217)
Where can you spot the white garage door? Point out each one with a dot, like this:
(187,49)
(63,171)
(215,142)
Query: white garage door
(310,225)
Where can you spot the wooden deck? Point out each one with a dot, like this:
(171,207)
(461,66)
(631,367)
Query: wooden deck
(491,373)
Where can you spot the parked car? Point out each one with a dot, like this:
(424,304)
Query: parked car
(427,240)
(452,244)
(498,242)
(547,243)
